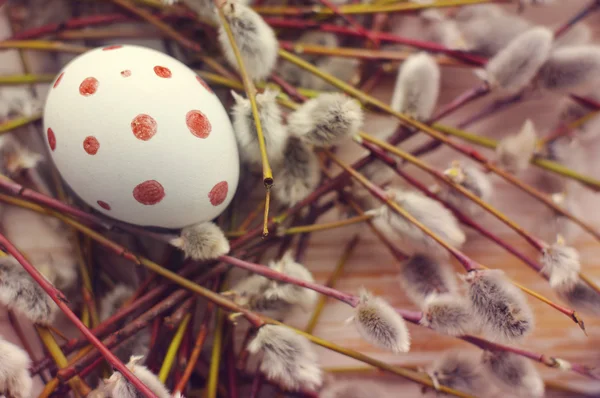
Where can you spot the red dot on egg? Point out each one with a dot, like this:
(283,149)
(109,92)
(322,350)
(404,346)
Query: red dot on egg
(143,126)
(112,47)
(88,86)
(51,139)
(91,145)
(198,123)
(149,192)
(58,80)
(201,81)
(218,193)
(162,71)
(103,204)
(126,73)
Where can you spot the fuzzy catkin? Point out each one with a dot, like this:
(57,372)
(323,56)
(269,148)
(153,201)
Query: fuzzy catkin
(417,87)
(516,65)
(561,265)
(447,314)
(118,386)
(274,132)
(287,358)
(513,373)
(15,379)
(474,180)
(428,212)
(20,292)
(459,370)
(202,241)
(514,152)
(298,175)
(570,68)
(422,276)
(379,324)
(14,157)
(326,120)
(499,307)
(255,40)
(581,297)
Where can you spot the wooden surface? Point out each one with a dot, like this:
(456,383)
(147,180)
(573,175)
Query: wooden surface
(372,267)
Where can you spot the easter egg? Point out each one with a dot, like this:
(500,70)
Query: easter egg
(141,138)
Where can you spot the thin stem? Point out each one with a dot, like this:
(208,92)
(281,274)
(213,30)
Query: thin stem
(232,375)
(197,350)
(213,374)
(325,226)
(42,45)
(51,345)
(251,94)
(335,275)
(351,9)
(350,20)
(15,123)
(466,98)
(587,10)
(361,53)
(173,348)
(25,79)
(59,298)
(74,23)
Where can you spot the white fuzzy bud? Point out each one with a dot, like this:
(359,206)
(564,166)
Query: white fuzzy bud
(514,152)
(114,300)
(15,380)
(499,307)
(289,293)
(417,87)
(471,178)
(487,29)
(254,38)
(513,373)
(118,386)
(422,276)
(203,241)
(326,120)
(428,212)
(379,324)
(18,291)
(447,314)
(14,157)
(17,101)
(274,131)
(287,358)
(515,66)
(561,264)
(352,389)
(570,68)
(342,68)
(581,297)
(299,174)
(459,370)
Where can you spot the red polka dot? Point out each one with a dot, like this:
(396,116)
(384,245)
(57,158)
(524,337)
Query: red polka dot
(143,127)
(198,124)
(149,192)
(91,145)
(58,80)
(88,87)
(161,71)
(103,204)
(111,47)
(218,194)
(201,81)
(51,139)
(126,73)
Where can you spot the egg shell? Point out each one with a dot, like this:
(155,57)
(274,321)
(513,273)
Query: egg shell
(141,138)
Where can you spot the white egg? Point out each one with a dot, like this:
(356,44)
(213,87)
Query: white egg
(141,138)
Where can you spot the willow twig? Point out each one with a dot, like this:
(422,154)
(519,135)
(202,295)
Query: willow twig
(213,375)
(173,348)
(15,123)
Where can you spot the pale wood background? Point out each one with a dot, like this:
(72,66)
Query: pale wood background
(372,267)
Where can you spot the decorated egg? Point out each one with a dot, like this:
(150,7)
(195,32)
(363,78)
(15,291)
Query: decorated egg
(141,138)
